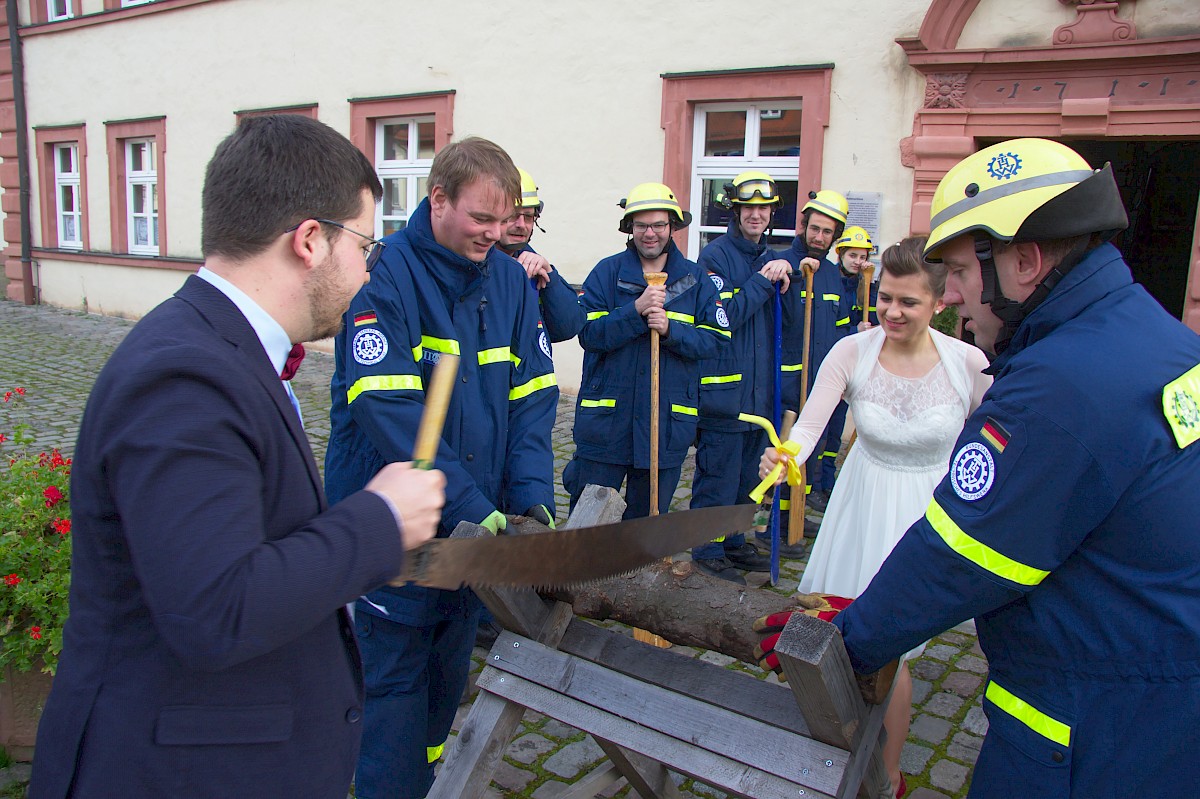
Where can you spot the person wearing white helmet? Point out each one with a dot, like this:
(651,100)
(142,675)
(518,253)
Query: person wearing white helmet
(1066,524)
(561,313)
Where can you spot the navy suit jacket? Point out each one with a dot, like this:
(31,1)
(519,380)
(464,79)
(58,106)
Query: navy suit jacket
(207,651)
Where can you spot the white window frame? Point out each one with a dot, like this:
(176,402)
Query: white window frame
(52,15)
(413,169)
(144,177)
(784,168)
(128,3)
(69,180)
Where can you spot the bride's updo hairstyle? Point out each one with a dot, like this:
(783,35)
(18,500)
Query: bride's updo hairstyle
(906,258)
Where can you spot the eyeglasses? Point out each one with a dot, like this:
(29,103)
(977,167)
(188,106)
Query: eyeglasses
(657,227)
(528,216)
(371,252)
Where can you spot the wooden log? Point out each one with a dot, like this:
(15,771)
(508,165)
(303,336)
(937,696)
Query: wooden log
(682,605)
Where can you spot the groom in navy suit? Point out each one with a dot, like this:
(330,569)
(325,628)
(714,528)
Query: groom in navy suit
(208,652)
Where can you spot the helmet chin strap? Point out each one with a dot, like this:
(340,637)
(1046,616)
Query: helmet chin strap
(1009,311)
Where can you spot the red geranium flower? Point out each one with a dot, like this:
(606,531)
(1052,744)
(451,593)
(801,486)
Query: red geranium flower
(19,390)
(12,579)
(3,438)
(35,632)
(7,396)
(53,496)
(61,526)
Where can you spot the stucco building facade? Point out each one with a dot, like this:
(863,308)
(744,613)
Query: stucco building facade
(121,103)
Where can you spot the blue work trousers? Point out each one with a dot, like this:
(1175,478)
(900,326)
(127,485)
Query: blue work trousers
(581,472)
(726,473)
(415,677)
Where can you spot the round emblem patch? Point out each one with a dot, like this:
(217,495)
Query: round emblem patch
(722,318)
(1004,166)
(370,346)
(972,471)
(1187,412)
(717,280)
(544,343)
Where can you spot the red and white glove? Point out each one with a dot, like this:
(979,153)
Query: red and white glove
(822,606)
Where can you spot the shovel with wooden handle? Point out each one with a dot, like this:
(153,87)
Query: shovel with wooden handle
(865,277)
(654,279)
(796,507)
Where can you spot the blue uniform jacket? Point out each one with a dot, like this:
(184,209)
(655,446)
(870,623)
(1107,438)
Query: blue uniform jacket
(1067,526)
(830,320)
(742,378)
(424,300)
(560,308)
(612,416)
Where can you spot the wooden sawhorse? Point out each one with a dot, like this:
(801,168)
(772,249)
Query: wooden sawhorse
(652,710)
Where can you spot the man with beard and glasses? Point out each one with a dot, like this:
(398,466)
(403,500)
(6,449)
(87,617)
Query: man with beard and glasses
(208,650)
(613,413)
(822,222)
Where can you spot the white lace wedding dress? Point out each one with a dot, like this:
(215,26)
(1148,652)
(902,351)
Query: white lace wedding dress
(906,430)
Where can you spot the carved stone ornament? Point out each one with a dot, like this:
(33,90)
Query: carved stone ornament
(945,90)
(1097,22)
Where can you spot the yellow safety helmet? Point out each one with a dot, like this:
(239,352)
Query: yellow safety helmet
(529,192)
(827,202)
(1024,190)
(652,197)
(750,188)
(854,237)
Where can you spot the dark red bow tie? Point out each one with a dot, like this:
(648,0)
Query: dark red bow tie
(293,362)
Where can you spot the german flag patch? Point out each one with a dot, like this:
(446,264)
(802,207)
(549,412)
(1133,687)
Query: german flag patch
(995,434)
(365,318)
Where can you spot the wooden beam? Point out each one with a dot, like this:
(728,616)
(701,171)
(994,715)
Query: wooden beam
(728,774)
(646,776)
(699,724)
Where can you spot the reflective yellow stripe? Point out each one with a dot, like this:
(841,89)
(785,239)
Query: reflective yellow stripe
(845,320)
(498,355)
(705,381)
(683,409)
(600,403)
(383,383)
(417,353)
(536,384)
(724,333)
(978,552)
(1181,405)
(681,317)
(440,344)
(434,752)
(726,295)
(785,504)
(1029,715)
(596,315)
(828,454)
(791,367)
(831,297)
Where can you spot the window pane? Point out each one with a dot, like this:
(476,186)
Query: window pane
(785,217)
(390,226)
(725,133)
(137,156)
(425,139)
(66,200)
(779,133)
(69,233)
(66,159)
(154,229)
(712,213)
(139,198)
(395,142)
(141,231)
(395,197)
(422,188)
(154,200)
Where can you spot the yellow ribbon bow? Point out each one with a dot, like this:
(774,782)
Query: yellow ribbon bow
(789,448)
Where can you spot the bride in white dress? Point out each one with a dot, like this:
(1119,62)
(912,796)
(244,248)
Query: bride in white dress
(910,388)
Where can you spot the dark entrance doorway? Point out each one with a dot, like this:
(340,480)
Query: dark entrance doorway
(1160,184)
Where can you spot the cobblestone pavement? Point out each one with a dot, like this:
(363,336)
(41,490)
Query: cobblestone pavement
(55,356)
